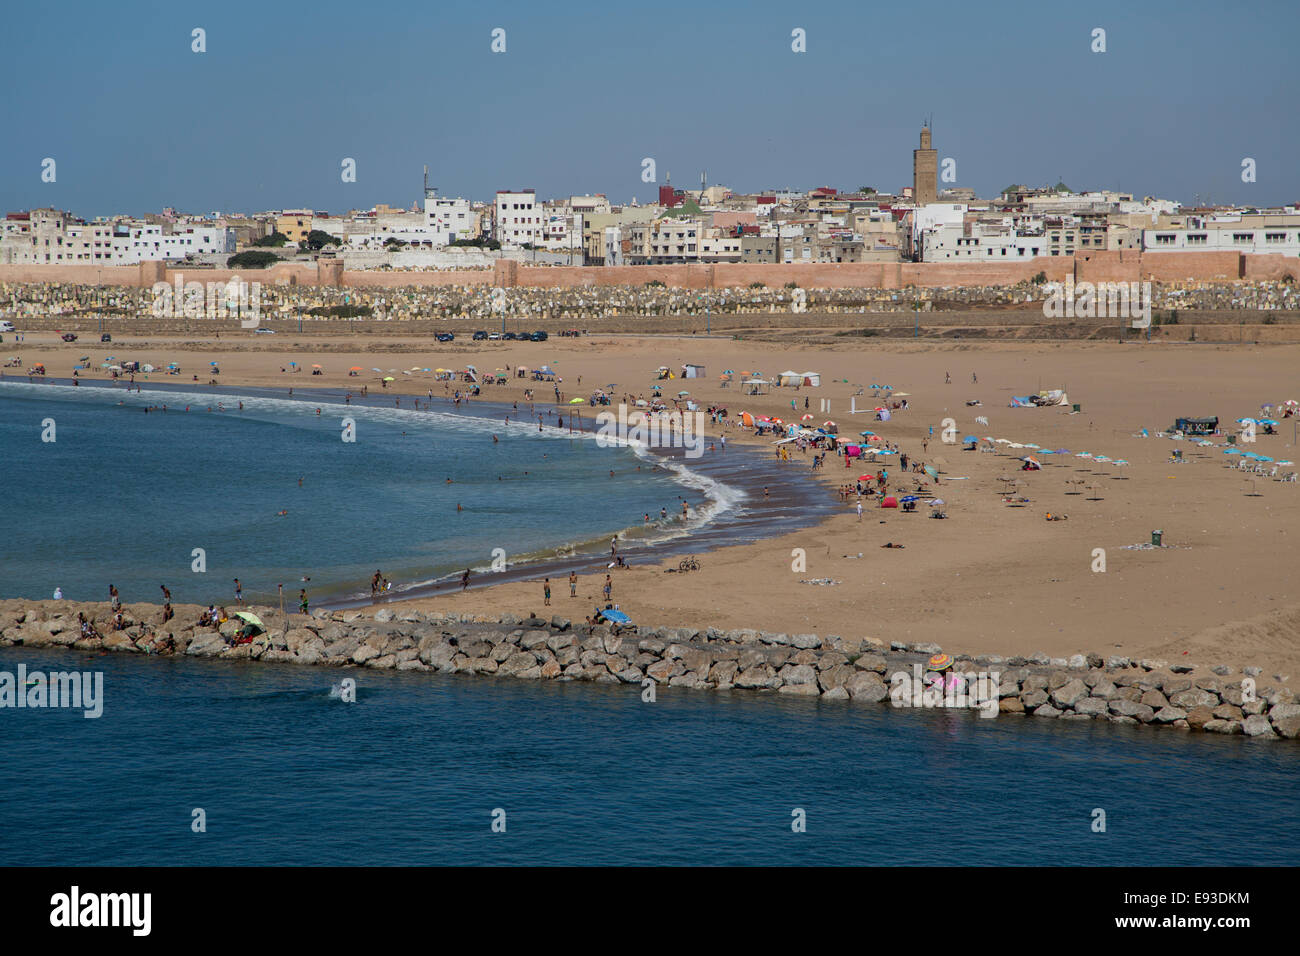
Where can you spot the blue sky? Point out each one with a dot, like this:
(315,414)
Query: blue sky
(585,90)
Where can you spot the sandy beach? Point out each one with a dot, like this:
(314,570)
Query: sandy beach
(994,578)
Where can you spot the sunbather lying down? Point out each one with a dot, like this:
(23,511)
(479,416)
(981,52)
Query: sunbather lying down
(1052,517)
(890,544)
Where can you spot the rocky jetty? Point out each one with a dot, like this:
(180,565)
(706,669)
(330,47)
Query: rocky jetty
(1084,687)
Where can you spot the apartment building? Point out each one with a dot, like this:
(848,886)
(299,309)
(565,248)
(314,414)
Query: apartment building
(1253,233)
(518,218)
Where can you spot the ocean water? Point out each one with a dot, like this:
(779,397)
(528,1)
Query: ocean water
(411,773)
(124,497)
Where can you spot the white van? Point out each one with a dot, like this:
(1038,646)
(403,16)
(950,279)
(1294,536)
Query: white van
(6,326)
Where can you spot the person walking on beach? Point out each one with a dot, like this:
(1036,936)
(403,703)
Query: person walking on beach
(239,592)
(609,587)
(374,584)
(859,509)
(947,379)
(573,584)
(167,595)
(464,580)
(302,601)
(546,590)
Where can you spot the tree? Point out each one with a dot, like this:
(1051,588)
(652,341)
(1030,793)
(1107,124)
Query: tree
(276,238)
(1012,188)
(1062,188)
(867,190)
(318,239)
(251,259)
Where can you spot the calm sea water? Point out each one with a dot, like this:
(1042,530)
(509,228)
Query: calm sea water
(589,774)
(123,496)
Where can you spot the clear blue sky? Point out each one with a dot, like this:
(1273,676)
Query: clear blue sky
(585,90)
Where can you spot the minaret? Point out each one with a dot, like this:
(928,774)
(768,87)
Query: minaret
(925,171)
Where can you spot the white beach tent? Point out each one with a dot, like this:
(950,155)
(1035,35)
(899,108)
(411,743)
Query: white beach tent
(790,378)
(812,378)
(692,371)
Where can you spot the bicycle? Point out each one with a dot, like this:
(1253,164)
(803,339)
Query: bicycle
(688,564)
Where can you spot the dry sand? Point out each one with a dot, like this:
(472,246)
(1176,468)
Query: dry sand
(993,578)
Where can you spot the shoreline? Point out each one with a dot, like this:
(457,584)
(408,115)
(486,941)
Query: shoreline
(799,501)
(850,669)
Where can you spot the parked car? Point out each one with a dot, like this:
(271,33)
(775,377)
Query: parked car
(69,337)
(539,336)
(265,331)
(510,336)
(494,337)
(445,336)
(480,336)
(106,337)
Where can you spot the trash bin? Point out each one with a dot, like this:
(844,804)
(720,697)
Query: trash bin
(1156,537)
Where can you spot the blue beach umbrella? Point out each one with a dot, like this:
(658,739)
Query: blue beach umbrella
(970,438)
(615,617)
(1232,451)
(909,498)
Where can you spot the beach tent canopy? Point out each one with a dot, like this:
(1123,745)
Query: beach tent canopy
(790,378)
(692,371)
(889,502)
(813,379)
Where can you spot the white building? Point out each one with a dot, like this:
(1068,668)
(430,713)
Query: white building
(1252,233)
(448,219)
(518,218)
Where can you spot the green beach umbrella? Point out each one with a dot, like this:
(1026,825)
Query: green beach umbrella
(575,401)
(250,617)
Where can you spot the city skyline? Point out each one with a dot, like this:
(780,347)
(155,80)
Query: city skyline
(264,118)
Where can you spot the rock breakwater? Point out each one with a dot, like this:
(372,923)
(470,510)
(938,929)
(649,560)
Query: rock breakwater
(853,669)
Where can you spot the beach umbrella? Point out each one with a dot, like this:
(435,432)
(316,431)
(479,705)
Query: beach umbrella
(575,401)
(1232,451)
(373,369)
(909,498)
(931,472)
(682,394)
(389,378)
(866,477)
(1268,421)
(804,418)
(250,617)
(830,426)
(1286,463)
(1263,458)
(1120,461)
(1030,444)
(615,616)
(355,368)
(866,434)
(1062,451)
(315,366)
(1083,454)
(937,503)
(212,363)
(1246,421)
(970,438)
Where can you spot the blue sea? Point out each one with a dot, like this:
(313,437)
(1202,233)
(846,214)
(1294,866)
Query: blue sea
(124,496)
(286,772)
